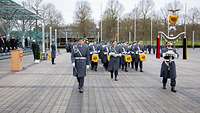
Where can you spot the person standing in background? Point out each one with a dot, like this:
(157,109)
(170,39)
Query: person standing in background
(53,53)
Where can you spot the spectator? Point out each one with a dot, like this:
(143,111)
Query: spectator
(34,49)
(1,44)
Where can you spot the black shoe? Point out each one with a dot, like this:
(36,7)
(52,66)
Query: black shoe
(116,79)
(141,71)
(95,70)
(81,90)
(173,89)
(164,86)
(126,70)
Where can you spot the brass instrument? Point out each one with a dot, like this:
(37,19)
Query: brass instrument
(95,58)
(128,58)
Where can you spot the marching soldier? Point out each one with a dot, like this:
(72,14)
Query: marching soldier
(139,49)
(105,56)
(80,57)
(133,55)
(168,67)
(113,66)
(124,52)
(94,57)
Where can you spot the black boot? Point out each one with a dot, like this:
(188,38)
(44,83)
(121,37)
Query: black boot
(173,89)
(81,90)
(111,75)
(164,86)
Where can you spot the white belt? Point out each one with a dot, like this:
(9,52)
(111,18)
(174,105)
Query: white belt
(80,58)
(168,60)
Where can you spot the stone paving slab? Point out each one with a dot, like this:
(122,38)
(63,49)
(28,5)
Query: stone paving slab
(46,88)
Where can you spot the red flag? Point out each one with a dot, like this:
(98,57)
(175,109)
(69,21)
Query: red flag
(158,47)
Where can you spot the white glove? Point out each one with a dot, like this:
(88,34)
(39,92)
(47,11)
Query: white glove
(87,66)
(73,64)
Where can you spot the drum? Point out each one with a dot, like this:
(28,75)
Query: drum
(143,57)
(95,58)
(108,57)
(128,58)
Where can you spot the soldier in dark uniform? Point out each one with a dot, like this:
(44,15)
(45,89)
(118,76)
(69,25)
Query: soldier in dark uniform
(80,57)
(114,62)
(53,53)
(132,52)
(93,50)
(168,67)
(139,49)
(124,51)
(105,56)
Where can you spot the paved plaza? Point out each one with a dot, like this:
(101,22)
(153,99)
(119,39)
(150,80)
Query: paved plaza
(46,88)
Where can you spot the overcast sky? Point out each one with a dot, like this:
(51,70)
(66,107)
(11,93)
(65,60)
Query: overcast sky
(67,7)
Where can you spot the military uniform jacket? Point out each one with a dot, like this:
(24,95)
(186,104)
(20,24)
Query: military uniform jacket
(114,61)
(124,51)
(105,57)
(81,57)
(93,49)
(168,70)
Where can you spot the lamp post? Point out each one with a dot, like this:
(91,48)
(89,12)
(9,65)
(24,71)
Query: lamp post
(135,26)
(43,38)
(50,29)
(56,38)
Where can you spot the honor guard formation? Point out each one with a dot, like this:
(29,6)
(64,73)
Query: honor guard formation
(131,59)
(112,56)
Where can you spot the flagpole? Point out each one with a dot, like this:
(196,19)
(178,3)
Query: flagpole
(135,27)
(101,22)
(151,32)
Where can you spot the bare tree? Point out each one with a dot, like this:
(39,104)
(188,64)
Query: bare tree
(194,16)
(175,5)
(111,15)
(146,7)
(50,15)
(83,18)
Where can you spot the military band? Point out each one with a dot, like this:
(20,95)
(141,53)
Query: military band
(115,57)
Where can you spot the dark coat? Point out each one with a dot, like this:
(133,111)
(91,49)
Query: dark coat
(53,51)
(114,61)
(136,53)
(80,65)
(123,50)
(104,56)
(92,50)
(168,71)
